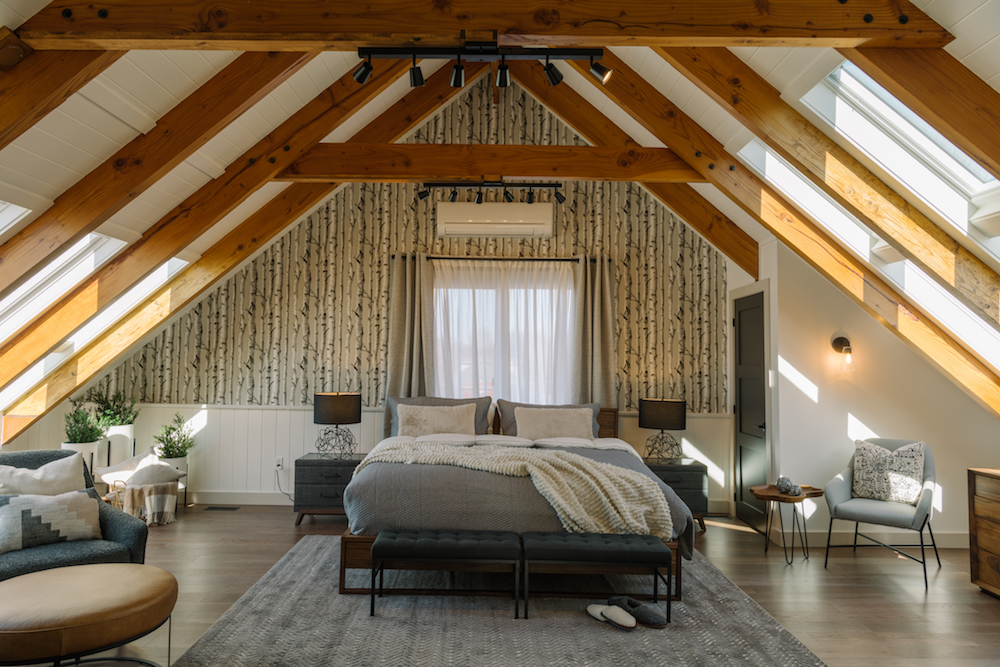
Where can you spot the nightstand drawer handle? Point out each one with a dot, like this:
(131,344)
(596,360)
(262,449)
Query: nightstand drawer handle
(335,475)
(324,495)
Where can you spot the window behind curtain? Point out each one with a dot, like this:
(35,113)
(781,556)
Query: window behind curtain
(505,328)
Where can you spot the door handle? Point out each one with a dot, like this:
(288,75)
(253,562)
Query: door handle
(762,426)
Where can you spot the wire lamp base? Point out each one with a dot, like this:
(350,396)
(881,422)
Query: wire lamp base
(662,447)
(336,443)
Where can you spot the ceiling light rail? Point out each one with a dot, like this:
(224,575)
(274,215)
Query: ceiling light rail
(488,52)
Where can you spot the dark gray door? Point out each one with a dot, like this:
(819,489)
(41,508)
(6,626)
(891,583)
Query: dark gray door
(751,451)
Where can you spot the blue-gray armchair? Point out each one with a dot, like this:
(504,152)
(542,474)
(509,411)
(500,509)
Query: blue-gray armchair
(838,494)
(124,536)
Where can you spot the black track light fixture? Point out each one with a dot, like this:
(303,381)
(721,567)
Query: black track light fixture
(363,72)
(458,75)
(479,197)
(423,194)
(416,75)
(531,197)
(553,74)
(599,71)
(560,197)
(453,196)
(503,74)
(507,196)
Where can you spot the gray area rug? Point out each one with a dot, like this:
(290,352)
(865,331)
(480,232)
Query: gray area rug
(294,616)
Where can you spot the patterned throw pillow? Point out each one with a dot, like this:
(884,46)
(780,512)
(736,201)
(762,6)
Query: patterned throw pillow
(30,521)
(897,476)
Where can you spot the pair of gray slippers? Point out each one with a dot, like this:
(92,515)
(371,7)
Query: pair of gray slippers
(626,613)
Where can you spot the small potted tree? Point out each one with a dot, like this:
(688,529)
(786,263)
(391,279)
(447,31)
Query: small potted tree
(83,434)
(173,442)
(117,414)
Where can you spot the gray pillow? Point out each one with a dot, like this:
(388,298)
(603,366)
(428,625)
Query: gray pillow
(392,417)
(508,424)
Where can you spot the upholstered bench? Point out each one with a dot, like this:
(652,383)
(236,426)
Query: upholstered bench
(596,553)
(68,612)
(450,550)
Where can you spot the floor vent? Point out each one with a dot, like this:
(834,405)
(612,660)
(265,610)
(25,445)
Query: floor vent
(221,509)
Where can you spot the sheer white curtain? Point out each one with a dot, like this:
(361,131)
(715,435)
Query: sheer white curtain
(510,329)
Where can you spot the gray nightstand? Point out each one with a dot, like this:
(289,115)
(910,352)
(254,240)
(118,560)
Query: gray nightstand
(689,478)
(320,482)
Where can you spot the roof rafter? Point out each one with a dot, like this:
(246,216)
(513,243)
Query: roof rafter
(325,24)
(225,255)
(853,277)
(144,160)
(596,128)
(192,217)
(759,107)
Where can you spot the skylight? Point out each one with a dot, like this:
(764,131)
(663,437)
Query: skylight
(10,214)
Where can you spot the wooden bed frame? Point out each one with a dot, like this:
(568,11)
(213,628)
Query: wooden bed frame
(355,550)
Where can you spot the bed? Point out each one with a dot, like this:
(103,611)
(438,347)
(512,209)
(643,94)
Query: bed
(385,495)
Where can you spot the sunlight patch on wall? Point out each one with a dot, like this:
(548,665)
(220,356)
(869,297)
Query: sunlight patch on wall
(198,423)
(801,382)
(856,430)
(714,471)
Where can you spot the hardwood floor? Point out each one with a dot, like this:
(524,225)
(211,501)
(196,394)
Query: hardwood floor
(867,608)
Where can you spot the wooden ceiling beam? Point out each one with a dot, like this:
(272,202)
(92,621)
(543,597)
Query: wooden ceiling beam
(42,81)
(942,91)
(853,277)
(227,254)
(136,166)
(758,105)
(417,163)
(684,200)
(307,25)
(192,217)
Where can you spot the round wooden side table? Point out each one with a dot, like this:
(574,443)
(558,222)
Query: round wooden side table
(770,494)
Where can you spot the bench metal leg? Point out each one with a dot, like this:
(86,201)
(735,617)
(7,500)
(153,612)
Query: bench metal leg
(517,592)
(525,590)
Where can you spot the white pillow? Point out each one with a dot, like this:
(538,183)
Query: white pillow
(456,439)
(417,420)
(158,473)
(538,423)
(122,471)
(51,479)
(503,440)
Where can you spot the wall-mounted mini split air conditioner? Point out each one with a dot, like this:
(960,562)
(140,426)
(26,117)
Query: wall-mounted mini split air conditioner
(496,219)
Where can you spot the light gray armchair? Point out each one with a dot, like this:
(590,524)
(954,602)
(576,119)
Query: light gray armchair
(838,494)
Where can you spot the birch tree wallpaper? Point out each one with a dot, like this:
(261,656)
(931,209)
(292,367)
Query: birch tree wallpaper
(309,313)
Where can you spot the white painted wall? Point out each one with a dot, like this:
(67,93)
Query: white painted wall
(893,393)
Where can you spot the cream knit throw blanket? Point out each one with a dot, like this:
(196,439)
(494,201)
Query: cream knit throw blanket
(588,496)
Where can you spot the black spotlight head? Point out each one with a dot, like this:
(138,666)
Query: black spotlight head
(423,194)
(503,75)
(553,74)
(416,77)
(560,197)
(453,196)
(507,196)
(600,72)
(479,197)
(363,72)
(531,197)
(458,75)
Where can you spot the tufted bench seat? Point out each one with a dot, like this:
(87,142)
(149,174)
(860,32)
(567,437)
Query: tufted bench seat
(451,550)
(68,612)
(596,553)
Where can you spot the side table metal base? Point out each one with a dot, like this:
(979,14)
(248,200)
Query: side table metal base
(796,527)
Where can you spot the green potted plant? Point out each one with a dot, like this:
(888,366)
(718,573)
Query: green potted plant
(117,414)
(83,434)
(173,442)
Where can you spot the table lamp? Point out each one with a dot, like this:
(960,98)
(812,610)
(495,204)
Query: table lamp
(663,413)
(336,408)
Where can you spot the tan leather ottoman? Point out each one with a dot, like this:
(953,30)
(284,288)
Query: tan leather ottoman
(67,612)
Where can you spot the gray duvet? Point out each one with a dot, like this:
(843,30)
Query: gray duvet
(410,496)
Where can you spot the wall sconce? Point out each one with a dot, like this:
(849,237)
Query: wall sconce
(843,347)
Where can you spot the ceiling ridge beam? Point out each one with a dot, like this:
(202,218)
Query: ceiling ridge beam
(42,81)
(215,263)
(148,157)
(731,240)
(192,217)
(324,24)
(417,163)
(738,89)
(852,276)
(942,91)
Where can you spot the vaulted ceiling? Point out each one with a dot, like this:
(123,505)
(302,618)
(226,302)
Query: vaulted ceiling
(200,130)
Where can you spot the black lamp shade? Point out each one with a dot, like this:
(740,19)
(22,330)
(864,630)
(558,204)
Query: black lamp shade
(336,408)
(663,413)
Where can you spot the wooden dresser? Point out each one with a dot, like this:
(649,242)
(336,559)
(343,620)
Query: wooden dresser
(984,528)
